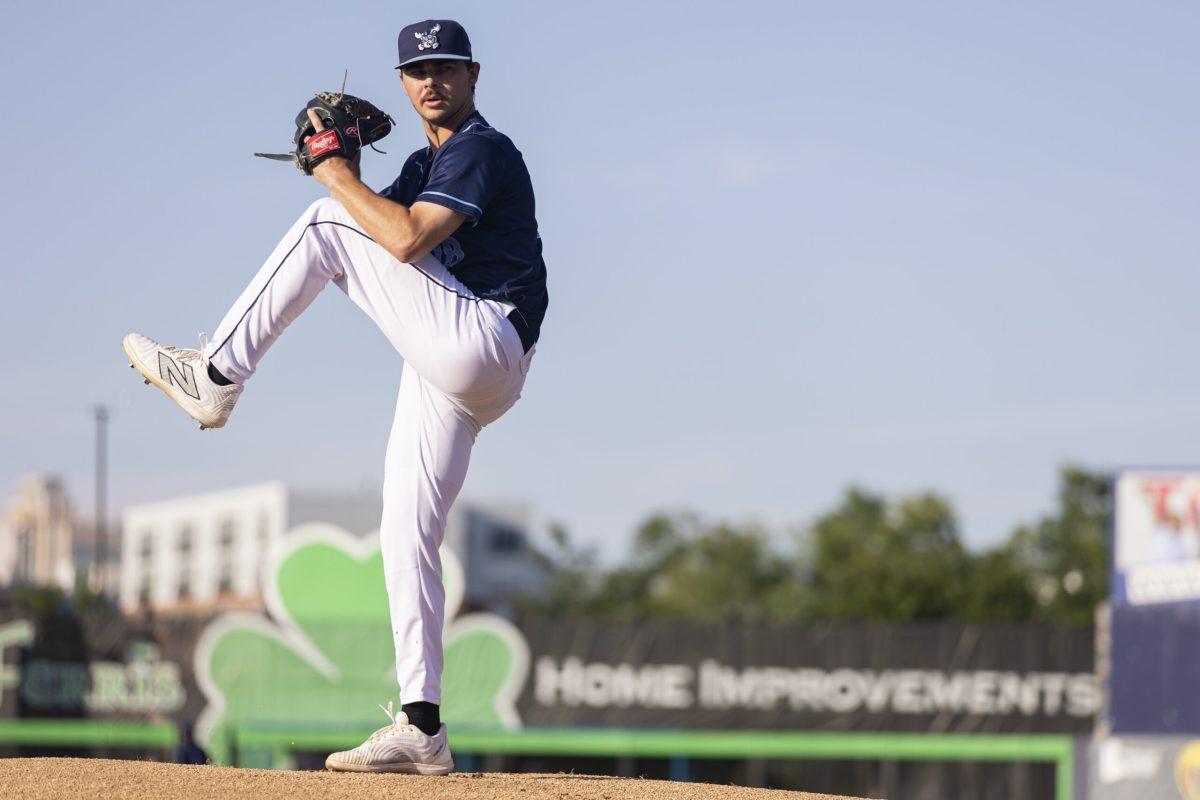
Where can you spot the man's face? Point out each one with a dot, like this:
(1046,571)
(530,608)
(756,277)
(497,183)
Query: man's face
(438,89)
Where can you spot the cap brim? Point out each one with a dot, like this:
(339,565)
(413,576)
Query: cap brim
(432,56)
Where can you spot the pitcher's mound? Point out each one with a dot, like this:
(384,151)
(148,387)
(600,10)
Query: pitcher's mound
(85,777)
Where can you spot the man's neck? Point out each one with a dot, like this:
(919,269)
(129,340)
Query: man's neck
(438,134)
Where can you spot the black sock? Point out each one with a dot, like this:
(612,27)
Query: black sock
(425,716)
(216,376)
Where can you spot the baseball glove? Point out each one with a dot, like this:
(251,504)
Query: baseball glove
(351,123)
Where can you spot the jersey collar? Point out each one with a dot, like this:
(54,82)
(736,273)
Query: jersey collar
(474,122)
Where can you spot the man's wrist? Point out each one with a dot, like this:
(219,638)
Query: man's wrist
(338,173)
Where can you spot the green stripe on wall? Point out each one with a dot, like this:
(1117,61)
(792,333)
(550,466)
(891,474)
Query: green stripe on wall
(87,733)
(583,742)
(1058,750)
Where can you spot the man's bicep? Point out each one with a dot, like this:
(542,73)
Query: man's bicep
(433,224)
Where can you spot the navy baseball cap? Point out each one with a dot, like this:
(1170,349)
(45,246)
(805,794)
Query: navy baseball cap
(433,38)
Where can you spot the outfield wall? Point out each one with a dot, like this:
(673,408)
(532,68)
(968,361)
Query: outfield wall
(871,709)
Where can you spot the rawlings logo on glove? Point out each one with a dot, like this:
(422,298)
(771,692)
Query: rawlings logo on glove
(351,123)
(323,143)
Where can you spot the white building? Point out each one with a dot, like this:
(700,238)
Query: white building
(37,535)
(8,553)
(199,552)
(492,542)
(206,552)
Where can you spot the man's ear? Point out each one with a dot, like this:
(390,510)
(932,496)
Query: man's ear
(474,70)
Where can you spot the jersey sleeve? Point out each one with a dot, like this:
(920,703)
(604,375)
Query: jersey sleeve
(404,189)
(466,177)
(391,192)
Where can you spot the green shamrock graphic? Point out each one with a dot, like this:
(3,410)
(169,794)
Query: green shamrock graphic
(323,658)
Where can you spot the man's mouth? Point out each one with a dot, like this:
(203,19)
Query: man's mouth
(433,100)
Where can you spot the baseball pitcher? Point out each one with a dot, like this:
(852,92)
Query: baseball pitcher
(447,261)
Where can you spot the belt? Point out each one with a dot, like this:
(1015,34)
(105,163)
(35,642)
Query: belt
(522,327)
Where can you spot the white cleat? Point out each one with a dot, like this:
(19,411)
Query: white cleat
(398,747)
(183,375)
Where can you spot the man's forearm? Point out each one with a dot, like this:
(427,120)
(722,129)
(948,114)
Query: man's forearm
(390,224)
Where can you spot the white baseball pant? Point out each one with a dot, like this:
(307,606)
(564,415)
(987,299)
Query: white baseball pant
(464,367)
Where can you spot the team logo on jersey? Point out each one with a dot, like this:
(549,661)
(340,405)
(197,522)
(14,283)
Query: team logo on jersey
(449,252)
(179,374)
(428,40)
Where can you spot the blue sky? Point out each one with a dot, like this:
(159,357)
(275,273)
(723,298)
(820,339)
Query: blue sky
(792,246)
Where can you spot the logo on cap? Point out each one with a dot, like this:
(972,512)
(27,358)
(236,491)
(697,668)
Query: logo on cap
(428,40)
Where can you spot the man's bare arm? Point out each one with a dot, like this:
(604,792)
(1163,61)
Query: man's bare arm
(406,233)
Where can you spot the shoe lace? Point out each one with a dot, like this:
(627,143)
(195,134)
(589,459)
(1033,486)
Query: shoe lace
(187,354)
(399,723)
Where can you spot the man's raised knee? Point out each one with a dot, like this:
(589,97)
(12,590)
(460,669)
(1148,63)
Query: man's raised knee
(326,208)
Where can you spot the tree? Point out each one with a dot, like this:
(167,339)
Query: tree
(1000,587)
(572,573)
(682,568)
(1067,552)
(724,572)
(871,560)
(868,558)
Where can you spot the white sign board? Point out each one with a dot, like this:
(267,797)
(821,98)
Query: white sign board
(1156,541)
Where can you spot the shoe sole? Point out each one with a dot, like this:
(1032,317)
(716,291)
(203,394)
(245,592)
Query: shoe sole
(408,768)
(153,378)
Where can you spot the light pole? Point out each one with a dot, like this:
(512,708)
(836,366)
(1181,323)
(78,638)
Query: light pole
(101,553)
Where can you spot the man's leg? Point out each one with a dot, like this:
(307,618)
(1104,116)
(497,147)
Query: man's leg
(436,323)
(286,284)
(427,457)
(459,343)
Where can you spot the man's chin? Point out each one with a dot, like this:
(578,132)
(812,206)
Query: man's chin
(436,116)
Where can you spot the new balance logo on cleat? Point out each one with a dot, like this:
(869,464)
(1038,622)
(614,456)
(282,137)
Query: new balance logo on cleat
(179,374)
(182,374)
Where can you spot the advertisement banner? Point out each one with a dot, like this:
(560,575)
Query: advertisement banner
(832,677)
(1156,537)
(97,667)
(1144,768)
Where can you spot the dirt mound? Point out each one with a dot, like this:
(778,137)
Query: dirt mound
(81,777)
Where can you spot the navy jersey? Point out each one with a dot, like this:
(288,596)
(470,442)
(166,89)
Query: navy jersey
(496,252)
